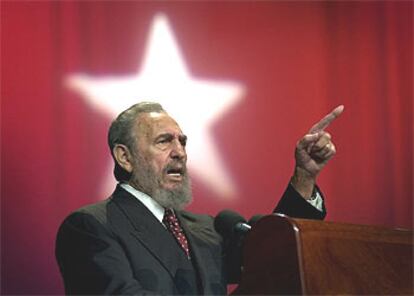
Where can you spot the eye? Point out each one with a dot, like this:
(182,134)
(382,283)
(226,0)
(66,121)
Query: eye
(183,140)
(164,140)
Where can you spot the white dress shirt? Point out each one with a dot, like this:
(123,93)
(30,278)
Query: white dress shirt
(317,202)
(155,208)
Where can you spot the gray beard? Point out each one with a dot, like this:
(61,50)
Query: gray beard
(145,180)
(176,199)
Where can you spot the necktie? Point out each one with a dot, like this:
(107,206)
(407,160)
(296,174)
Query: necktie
(171,222)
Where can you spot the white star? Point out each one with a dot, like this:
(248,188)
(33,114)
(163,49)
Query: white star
(195,104)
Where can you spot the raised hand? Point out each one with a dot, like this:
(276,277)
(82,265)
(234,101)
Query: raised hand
(312,153)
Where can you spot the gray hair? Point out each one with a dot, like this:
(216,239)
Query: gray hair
(121,131)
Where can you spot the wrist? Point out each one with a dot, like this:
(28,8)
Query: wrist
(303,182)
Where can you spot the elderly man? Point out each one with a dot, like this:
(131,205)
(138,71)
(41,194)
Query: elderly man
(140,240)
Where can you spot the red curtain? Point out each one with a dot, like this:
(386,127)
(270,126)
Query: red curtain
(295,60)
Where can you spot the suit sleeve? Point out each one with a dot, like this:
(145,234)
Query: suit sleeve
(92,261)
(295,206)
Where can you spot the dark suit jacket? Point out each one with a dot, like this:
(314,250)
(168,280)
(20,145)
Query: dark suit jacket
(117,246)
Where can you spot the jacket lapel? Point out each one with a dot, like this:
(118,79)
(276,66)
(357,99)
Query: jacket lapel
(146,228)
(204,242)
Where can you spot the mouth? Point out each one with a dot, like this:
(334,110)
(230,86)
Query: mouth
(175,173)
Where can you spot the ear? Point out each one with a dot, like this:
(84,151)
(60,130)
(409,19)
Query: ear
(123,157)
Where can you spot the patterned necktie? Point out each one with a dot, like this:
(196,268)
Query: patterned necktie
(172,224)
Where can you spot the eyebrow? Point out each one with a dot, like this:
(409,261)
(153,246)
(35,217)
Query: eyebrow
(170,136)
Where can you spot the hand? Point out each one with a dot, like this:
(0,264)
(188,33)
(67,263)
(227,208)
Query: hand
(312,153)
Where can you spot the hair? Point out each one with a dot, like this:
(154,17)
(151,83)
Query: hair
(121,131)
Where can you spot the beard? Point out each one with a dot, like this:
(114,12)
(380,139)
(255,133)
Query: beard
(145,179)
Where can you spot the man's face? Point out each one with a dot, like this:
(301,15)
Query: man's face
(160,159)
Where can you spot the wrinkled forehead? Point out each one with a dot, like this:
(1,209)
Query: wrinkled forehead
(152,124)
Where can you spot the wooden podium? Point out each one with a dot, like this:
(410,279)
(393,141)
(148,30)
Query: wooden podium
(305,257)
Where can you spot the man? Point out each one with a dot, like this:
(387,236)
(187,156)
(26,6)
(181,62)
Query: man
(140,241)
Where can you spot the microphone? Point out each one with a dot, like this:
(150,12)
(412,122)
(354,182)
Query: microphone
(233,229)
(228,223)
(242,227)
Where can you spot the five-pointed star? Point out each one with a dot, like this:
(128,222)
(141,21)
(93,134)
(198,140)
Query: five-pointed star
(195,104)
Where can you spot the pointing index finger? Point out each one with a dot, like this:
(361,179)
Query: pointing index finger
(326,121)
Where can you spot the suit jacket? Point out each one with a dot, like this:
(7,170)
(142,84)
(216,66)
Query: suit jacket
(117,246)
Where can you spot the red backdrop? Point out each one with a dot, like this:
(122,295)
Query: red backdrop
(296,62)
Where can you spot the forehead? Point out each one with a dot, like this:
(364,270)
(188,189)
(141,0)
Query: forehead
(155,123)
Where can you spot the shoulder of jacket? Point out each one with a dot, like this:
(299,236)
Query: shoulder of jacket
(96,211)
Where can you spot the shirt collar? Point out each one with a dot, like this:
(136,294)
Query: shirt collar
(155,208)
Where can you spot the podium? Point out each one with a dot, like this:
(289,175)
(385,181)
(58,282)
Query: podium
(284,256)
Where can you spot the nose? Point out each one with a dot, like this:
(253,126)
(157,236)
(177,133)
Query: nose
(178,150)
